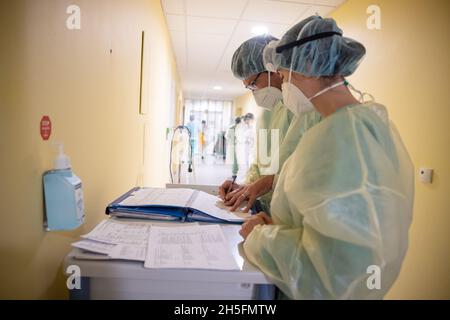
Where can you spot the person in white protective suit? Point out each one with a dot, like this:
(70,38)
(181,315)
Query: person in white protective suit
(231,146)
(245,138)
(342,205)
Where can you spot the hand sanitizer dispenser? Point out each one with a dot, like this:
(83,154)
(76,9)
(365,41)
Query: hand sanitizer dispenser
(64,207)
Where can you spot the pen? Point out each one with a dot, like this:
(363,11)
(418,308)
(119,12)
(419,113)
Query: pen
(231,185)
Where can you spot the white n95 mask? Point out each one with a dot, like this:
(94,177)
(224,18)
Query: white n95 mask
(267,97)
(295,100)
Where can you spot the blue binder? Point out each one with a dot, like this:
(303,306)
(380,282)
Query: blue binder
(160,212)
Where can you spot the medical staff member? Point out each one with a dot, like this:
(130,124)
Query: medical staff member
(263,186)
(247,65)
(203,138)
(231,146)
(342,206)
(193,132)
(245,136)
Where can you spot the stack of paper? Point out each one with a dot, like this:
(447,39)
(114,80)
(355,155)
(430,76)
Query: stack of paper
(117,239)
(190,246)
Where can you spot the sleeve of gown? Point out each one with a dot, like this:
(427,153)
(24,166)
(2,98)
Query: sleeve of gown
(330,255)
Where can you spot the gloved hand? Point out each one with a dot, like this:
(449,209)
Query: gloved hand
(250,192)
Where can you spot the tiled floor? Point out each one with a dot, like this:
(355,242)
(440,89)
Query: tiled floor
(209,171)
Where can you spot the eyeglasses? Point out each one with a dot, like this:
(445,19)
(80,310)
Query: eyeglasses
(252,86)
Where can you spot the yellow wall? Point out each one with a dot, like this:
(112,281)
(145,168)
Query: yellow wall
(91,96)
(407,68)
(244,104)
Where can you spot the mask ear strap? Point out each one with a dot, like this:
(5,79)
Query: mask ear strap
(372,99)
(356,90)
(361,94)
(337,84)
(290,74)
(269,77)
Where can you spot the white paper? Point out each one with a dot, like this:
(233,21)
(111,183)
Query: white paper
(128,252)
(126,240)
(189,247)
(94,246)
(214,206)
(113,251)
(120,232)
(159,196)
(180,197)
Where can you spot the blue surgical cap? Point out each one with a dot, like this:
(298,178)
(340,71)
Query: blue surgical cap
(316,47)
(248,58)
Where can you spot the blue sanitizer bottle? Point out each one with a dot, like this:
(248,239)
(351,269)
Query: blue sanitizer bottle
(64,206)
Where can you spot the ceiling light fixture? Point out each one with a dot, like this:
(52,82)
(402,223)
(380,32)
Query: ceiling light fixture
(260,30)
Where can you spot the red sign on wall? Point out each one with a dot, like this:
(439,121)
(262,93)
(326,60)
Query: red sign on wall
(45,127)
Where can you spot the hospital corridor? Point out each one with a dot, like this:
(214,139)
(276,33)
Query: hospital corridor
(196,150)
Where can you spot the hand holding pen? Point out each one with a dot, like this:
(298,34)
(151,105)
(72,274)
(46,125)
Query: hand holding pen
(227,187)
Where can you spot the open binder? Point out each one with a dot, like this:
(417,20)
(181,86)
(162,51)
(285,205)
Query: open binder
(183,205)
